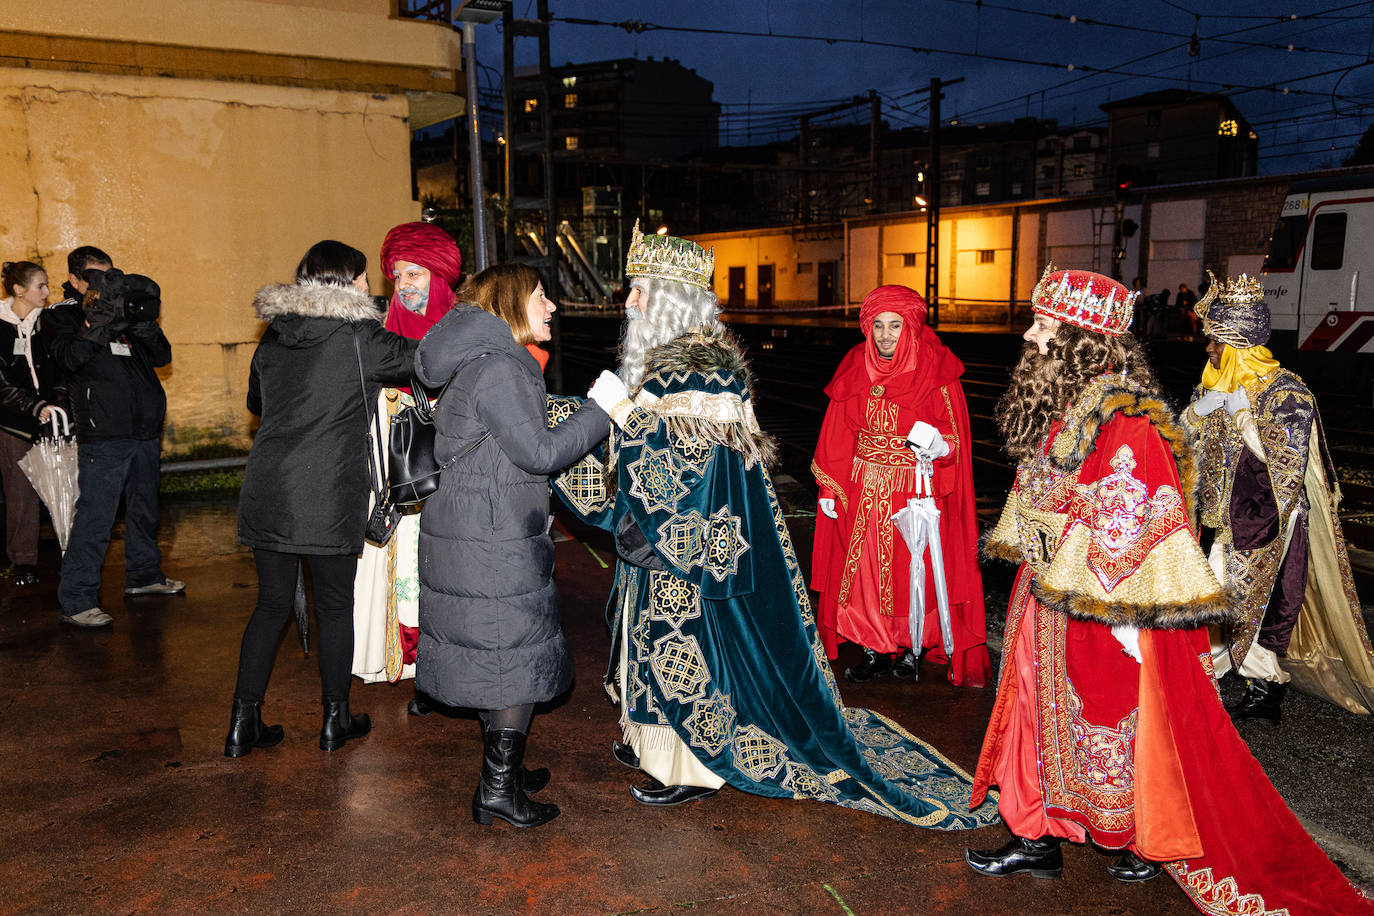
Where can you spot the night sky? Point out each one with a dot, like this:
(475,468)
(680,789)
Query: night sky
(1013,63)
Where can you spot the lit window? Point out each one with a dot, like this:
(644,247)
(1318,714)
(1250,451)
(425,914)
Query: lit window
(570,100)
(1078,171)
(569,82)
(1228,128)
(987,256)
(531,105)
(570,143)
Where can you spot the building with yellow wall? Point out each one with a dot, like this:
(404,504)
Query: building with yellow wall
(207,145)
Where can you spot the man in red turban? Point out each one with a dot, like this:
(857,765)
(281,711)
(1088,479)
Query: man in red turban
(414,255)
(424,263)
(896,406)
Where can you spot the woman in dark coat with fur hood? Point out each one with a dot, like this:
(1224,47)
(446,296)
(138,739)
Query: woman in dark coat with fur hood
(306,487)
(490,635)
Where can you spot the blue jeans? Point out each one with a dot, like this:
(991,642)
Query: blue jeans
(107,469)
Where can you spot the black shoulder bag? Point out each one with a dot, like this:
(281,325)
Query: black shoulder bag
(381,524)
(412,471)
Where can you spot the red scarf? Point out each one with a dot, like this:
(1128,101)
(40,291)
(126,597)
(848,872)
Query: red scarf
(912,309)
(435,250)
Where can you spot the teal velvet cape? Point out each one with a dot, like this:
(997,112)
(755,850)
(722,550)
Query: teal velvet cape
(723,644)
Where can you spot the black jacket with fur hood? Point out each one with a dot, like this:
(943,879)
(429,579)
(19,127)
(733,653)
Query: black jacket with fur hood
(306,486)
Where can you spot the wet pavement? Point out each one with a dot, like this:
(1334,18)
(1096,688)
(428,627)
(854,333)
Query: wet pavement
(117,797)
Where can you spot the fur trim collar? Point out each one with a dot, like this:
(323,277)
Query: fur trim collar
(282,299)
(715,358)
(1105,396)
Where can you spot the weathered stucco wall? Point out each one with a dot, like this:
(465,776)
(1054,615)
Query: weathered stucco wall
(211,188)
(344,29)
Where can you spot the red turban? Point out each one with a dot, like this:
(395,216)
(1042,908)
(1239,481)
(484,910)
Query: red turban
(435,250)
(912,308)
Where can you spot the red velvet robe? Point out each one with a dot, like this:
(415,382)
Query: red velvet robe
(859,562)
(1084,742)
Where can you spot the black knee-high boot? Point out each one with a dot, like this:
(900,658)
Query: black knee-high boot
(499,790)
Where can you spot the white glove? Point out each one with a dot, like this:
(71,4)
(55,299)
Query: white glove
(922,435)
(1129,637)
(608,391)
(1237,401)
(828,508)
(1209,402)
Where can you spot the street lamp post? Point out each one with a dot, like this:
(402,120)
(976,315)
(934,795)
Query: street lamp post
(472,13)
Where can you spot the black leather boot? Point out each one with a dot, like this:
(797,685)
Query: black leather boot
(533,780)
(1131,868)
(1042,858)
(340,726)
(419,705)
(1262,700)
(625,754)
(246,730)
(908,664)
(499,790)
(875,664)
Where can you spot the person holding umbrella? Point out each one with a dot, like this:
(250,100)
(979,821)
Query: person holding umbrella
(305,488)
(897,409)
(29,383)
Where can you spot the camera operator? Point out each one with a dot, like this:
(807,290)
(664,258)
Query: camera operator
(106,338)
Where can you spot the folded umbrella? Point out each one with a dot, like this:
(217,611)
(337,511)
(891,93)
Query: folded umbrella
(51,467)
(919,524)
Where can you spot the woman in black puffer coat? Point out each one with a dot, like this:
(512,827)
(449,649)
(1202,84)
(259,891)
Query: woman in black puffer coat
(490,636)
(306,486)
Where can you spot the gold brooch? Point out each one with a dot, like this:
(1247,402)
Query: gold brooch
(877,391)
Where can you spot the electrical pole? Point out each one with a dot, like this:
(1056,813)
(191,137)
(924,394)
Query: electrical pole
(875,119)
(933,204)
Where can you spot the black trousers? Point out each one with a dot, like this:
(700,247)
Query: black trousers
(332,577)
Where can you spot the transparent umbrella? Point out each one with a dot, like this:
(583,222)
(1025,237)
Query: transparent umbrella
(51,467)
(919,524)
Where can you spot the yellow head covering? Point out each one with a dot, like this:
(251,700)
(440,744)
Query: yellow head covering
(1238,367)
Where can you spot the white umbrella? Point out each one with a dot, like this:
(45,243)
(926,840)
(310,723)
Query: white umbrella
(919,523)
(51,467)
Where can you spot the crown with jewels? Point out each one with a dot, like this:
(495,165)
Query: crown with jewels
(1233,311)
(1085,299)
(669,258)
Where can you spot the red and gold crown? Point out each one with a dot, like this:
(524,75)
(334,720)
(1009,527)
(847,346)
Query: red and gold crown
(1085,299)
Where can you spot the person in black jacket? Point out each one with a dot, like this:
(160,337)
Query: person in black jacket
(306,488)
(29,383)
(105,337)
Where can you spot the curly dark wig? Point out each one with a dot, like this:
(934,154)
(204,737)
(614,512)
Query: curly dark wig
(1042,386)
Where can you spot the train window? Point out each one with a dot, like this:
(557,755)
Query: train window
(1328,241)
(1285,243)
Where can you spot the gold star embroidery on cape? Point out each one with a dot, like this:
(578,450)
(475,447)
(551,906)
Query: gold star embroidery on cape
(758,754)
(654,480)
(682,539)
(711,722)
(725,544)
(679,667)
(672,599)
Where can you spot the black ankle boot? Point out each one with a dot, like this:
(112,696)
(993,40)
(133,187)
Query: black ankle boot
(499,790)
(908,664)
(1042,858)
(1131,868)
(420,705)
(246,730)
(340,726)
(875,664)
(1262,700)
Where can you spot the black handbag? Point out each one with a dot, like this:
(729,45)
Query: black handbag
(412,471)
(381,522)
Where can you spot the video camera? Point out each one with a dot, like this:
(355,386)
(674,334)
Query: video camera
(116,296)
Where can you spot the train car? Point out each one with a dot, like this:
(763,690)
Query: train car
(1319,272)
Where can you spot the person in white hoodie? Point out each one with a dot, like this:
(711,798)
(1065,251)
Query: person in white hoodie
(30,383)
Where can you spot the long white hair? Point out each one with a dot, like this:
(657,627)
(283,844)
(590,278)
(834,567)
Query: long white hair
(670,309)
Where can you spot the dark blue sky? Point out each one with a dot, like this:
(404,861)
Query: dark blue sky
(1013,63)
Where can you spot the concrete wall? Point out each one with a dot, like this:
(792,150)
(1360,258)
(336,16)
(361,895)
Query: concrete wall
(211,188)
(781,248)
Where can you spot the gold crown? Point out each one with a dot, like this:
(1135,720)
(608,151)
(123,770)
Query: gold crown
(1242,289)
(669,258)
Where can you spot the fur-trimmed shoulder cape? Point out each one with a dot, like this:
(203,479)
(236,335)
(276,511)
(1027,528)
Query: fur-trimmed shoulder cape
(708,361)
(282,299)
